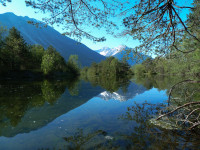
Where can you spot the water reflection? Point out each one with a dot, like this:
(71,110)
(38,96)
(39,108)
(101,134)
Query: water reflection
(74,114)
(109,83)
(28,106)
(143,134)
(80,140)
(132,90)
(183,109)
(146,135)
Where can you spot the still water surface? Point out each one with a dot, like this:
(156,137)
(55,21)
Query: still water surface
(64,115)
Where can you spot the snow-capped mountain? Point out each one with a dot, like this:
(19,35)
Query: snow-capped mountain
(49,36)
(119,52)
(106,51)
(132,91)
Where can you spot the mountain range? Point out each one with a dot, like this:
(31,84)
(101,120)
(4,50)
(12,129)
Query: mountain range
(120,52)
(47,36)
(106,51)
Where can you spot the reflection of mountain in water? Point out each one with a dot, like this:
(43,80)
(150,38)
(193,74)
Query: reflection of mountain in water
(132,90)
(37,117)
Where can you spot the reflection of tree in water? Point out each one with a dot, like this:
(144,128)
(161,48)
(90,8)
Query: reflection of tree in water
(80,140)
(171,128)
(109,83)
(144,134)
(94,140)
(73,86)
(148,136)
(52,91)
(17,98)
(183,102)
(158,81)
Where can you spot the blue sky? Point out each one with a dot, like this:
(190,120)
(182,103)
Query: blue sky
(19,8)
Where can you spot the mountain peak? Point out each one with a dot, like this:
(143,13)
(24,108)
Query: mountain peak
(119,53)
(121,47)
(106,51)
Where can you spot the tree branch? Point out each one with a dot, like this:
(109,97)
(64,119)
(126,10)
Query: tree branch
(187,104)
(185,26)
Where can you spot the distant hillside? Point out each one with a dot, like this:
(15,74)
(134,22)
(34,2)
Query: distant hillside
(48,36)
(120,52)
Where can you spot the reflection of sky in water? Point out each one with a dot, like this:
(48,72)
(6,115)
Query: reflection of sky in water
(95,114)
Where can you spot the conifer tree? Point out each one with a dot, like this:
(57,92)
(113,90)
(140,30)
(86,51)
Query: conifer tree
(17,50)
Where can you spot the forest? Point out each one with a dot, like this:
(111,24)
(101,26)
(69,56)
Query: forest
(184,55)
(109,74)
(16,56)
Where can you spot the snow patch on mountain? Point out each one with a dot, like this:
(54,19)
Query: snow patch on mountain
(106,51)
(121,53)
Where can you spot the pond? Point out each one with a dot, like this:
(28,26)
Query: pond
(75,114)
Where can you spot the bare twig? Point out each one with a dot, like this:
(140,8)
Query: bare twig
(195,125)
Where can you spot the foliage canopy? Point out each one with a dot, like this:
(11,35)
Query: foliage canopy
(157,24)
(75,15)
